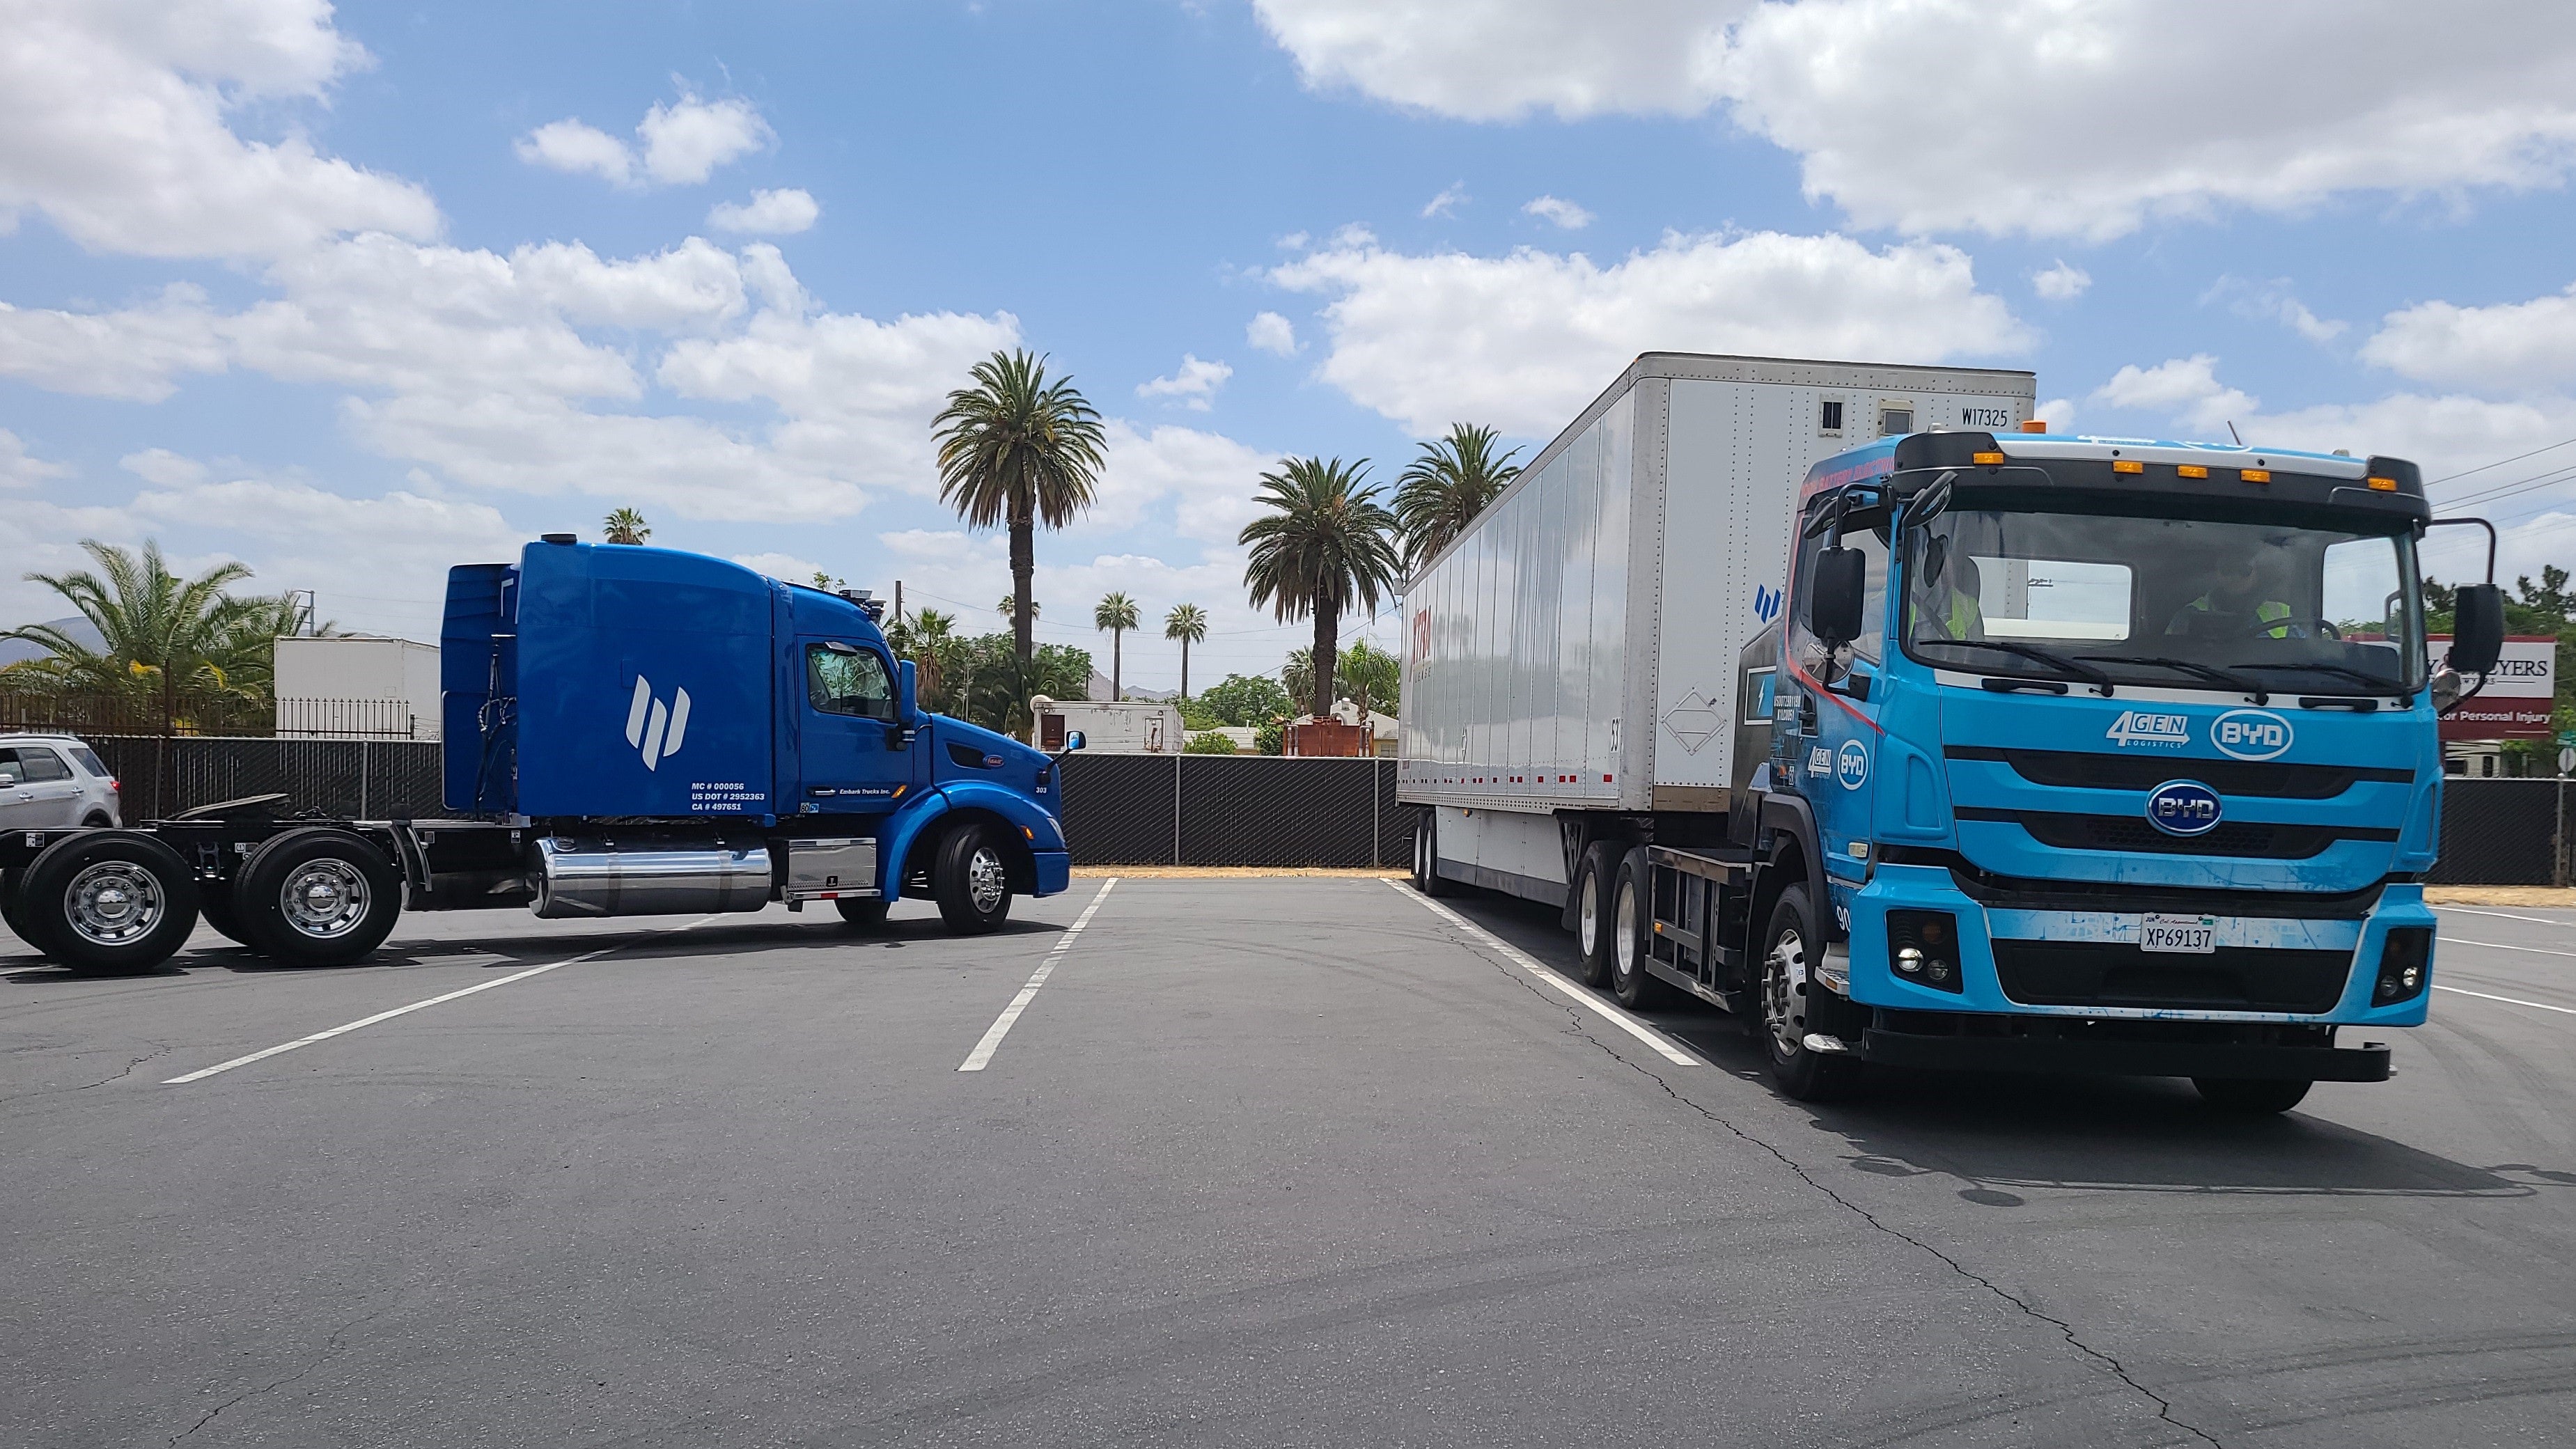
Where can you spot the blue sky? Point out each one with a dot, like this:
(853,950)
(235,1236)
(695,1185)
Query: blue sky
(353,294)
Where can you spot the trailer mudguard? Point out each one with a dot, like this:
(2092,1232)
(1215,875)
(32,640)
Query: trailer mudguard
(1040,831)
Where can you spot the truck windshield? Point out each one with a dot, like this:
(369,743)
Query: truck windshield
(2190,603)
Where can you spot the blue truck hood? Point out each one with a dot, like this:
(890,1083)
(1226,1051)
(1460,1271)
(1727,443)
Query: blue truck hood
(2321,800)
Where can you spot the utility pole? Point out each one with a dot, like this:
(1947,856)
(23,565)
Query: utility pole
(898,601)
(304,612)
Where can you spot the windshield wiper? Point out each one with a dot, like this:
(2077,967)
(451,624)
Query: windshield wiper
(2364,679)
(2050,657)
(2210,672)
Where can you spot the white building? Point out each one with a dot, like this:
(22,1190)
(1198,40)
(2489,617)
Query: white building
(356,686)
(1132,728)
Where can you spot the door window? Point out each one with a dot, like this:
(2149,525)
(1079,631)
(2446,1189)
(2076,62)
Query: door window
(847,680)
(37,764)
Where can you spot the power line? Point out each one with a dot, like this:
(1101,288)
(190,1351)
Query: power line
(2500,462)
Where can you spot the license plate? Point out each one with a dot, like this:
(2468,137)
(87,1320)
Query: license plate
(2187,935)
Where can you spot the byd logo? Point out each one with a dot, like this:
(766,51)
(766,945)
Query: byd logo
(2183,807)
(652,729)
(2251,734)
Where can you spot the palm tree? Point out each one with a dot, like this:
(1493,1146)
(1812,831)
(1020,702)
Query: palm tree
(1116,613)
(1370,678)
(1009,608)
(1187,623)
(1017,450)
(1298,675)
(627,526)
(163,638)
(1323,548)
(1448,483)
(934,646)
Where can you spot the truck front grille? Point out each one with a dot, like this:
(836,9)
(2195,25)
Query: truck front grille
(2244,838)
(2232,978)
(2087,770)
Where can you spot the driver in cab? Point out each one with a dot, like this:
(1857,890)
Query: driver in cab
(1946,606)
(2236,602)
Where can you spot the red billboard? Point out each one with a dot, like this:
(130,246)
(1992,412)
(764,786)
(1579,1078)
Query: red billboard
(2516,702)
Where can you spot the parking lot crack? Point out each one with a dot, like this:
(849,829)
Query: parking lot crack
(159,1049)
(2108,1362)
(329,1350)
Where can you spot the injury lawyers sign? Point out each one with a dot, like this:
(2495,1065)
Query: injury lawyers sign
(2515,703)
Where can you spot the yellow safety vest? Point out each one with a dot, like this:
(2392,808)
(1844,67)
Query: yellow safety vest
(2272,610)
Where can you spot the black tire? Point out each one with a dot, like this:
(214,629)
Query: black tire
(97,821)
(9,915)
(1596,877)
(1632,923)
(215,908)
(1426,856)
(867,915)
(1791,1004)
(2253,1096)
(108,902)
(971,882)
(317,897)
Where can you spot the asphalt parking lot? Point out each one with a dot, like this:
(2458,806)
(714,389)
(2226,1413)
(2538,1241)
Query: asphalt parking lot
(1259,1162)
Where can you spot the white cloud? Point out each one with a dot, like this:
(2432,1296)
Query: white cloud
(681,143)
(1293,241)
(1446,203)
(2058,413)
(1270,332)
(576,149)
(2511,347)
(2219,122)
(2186,388)
(1194,382)
(2273,301)
(1201,484)
(1565,214)
(1521,342)
(2063,282)
(115,125)
(1492,60)
(782,566)
(21,469)
(161,466)
(769,213)
(136,352)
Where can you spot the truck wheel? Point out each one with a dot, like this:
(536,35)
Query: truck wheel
(867,915)
(108,902)
(9,915)
(1596,876)
(215,908)
(317,897)
(971,882)
(1790,1000)
(2253,1096)
(1631,925)
(1426,857)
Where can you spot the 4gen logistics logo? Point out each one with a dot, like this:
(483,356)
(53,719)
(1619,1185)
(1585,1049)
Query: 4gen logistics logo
(2136,727)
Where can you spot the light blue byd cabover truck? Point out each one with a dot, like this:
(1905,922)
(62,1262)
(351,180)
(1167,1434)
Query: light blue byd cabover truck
(2055,754)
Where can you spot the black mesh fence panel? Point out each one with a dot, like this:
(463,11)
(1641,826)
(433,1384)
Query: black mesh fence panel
(349,779)
(1394,820)
(1118,808)
(2498,832)
(1271,810)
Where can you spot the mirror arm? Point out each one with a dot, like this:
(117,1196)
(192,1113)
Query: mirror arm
(2466,522)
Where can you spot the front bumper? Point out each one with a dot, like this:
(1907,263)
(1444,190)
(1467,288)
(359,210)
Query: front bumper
(2085,1052)
(1929,887)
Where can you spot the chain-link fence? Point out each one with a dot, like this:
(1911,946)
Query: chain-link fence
(2504,832)
(1234,810)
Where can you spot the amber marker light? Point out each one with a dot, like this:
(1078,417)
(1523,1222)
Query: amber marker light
(2383,485)
(2255,475)
(2127,465)
(2192,470)
(1986,458)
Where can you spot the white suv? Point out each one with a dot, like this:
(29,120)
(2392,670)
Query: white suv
(48,780)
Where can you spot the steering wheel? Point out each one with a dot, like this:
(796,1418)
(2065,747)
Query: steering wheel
(2323,628)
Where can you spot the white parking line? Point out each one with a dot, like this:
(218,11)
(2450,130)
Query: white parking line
(2501,946)
(1632,1026)
(1001,1027)
(346,1027)
(2507,1000)
(2505,916)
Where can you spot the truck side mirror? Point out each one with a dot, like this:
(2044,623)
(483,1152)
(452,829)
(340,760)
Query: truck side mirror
(1073,741)
(1834,598)
(907,691)
(2477,628)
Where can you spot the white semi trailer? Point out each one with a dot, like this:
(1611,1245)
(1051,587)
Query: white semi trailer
(1572,656)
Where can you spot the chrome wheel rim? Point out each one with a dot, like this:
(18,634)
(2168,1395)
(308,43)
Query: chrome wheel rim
(323,899)
(114,903)
(1623,924)
(1783,1001)
(985,882)
(1588,915)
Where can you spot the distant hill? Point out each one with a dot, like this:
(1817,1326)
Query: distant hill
(13,651)
(1100,690)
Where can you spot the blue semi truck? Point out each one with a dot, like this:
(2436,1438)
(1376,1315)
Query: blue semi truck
(629,731)
(2042,752)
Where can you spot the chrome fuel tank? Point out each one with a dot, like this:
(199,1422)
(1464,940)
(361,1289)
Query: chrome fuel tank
(579,877)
